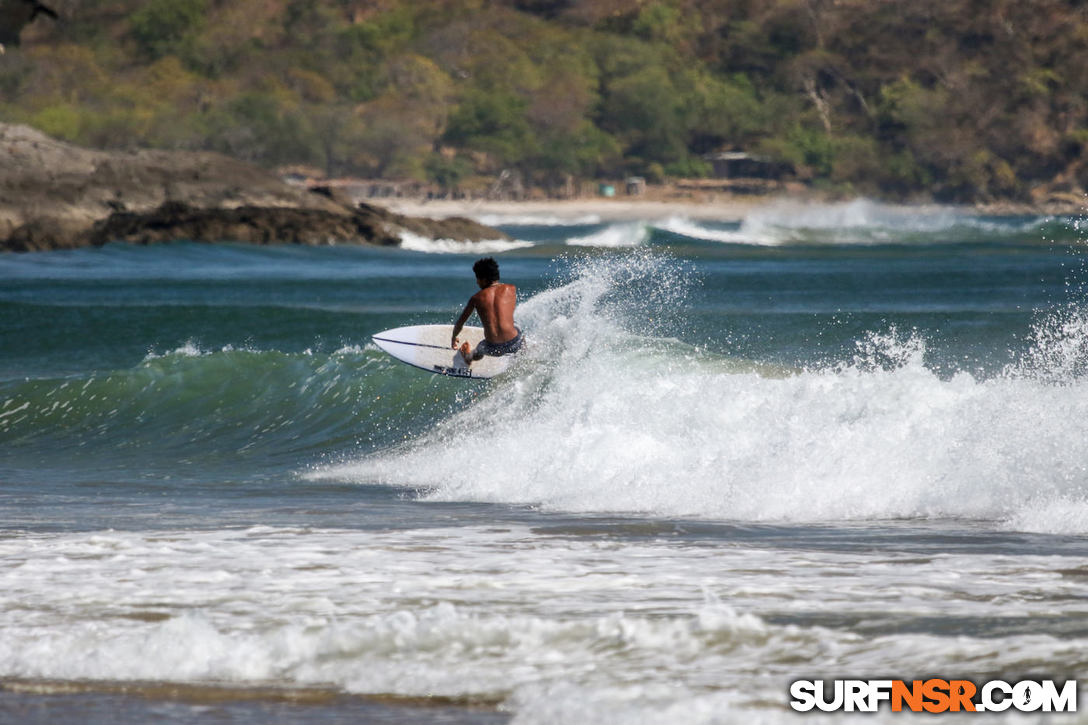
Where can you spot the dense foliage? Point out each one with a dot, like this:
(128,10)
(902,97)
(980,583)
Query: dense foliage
(955,99)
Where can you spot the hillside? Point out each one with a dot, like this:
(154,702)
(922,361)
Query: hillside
(955,100)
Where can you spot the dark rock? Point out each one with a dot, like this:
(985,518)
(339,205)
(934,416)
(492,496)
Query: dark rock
(337,195)
(277,225)
(42,235)
(250,224)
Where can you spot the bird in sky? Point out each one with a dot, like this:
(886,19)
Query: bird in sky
(14,14)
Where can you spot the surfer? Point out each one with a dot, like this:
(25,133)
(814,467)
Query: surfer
(494,303)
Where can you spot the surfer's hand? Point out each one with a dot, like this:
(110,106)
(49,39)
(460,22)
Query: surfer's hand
(453,342)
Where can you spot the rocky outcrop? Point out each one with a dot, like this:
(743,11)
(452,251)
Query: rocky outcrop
(252,224)
(55,195)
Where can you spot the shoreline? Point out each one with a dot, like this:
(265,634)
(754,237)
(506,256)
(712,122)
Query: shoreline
(573,209)
(723,209)
(100,701)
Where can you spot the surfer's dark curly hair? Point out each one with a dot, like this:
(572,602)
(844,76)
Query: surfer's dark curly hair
(486,269)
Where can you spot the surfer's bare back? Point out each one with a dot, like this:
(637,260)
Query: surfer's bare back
(494,303)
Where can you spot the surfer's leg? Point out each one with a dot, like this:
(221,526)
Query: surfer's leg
(466,352)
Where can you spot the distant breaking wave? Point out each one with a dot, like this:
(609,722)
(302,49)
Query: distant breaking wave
(862,222)
(858,222)
(632,234)
(417,243)
(865,221)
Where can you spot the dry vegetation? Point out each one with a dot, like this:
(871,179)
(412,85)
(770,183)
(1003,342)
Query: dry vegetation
(958,100)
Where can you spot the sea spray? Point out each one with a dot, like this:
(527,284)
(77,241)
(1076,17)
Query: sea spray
(1058,350)
(631,292)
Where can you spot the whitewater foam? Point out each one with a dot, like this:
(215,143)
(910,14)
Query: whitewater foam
(694,230)
(856,222)
(419,243)
(633,234)
(859,221)
(512,615)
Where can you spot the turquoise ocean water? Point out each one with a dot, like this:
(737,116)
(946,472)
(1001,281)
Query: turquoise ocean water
(821,441)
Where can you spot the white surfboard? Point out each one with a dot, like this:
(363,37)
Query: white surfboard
(427,347)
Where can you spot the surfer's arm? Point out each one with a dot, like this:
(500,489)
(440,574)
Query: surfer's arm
(469,309)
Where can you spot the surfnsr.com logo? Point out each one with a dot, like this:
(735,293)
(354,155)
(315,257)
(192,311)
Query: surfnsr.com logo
(933,695)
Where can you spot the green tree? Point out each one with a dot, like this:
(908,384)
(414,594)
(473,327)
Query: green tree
(494,123)
(162,27)
(646,112)
(448,172)
(261,127)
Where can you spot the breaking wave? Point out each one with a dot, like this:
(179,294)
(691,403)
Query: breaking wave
(604,414)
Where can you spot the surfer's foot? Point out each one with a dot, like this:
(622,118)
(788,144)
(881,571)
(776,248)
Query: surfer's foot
(466,353)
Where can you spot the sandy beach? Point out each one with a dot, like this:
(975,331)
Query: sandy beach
(731,209)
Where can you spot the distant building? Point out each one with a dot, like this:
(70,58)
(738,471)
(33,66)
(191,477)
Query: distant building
(742,165)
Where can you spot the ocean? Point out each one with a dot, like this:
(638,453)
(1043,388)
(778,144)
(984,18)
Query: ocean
(824,441)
